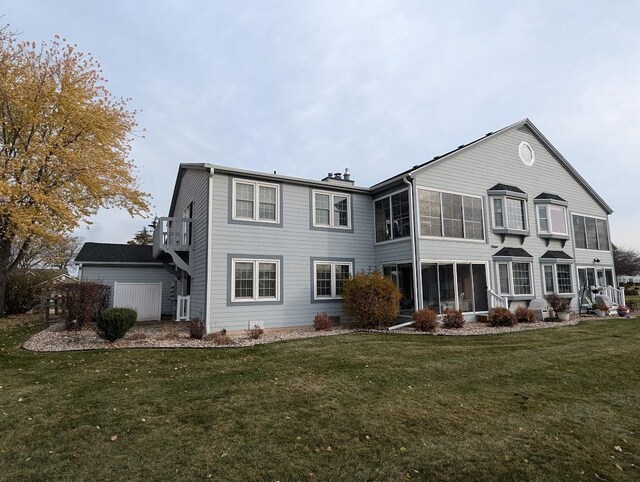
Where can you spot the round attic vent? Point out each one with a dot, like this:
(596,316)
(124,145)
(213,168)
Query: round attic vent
(527,156)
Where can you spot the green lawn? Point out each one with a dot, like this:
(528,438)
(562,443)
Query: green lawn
(544,404)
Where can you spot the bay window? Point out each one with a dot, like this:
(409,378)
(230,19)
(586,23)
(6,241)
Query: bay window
(509,210)
(557,278)
(515,278)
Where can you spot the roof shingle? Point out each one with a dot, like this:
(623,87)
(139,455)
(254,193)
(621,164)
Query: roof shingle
(115,253)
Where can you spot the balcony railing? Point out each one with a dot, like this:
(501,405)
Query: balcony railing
(172,234)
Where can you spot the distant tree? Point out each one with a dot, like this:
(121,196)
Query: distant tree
(57,254)
(626,261)
(144,236)
(64,147)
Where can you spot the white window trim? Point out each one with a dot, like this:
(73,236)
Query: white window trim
(548,208)
(605,219)
(389,196)
(333,278)
(533,153)
(256,280)
(511,292)
(504,214)
(446,238)
(595,268)
(256,202)
(555,279)
(332,221)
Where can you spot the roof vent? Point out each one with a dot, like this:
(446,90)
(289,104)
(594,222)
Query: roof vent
(347,174)
(330,175)
(337,175)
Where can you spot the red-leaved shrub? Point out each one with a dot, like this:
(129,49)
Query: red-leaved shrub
(452,318)
(322,322)
(501,317)
(524,315)
(83,302)
(425,320)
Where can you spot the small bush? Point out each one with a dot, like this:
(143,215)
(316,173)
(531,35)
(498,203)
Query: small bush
(170,333)
(219,338)
(524,315)
(425,320)
(83,302)
(452,318)
(557,303)
(197,328)
(371,299)
(255,332)
(322,322)
(114,323)
(501,317)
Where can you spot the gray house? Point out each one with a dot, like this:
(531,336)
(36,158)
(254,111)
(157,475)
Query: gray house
(500,221)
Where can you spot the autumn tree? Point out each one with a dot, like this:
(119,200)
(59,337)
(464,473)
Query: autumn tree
(57,254)
(626,261)
(144,236)
(64,147)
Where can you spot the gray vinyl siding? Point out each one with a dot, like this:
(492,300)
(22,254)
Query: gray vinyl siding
(475,170)
(194,187)
(296,243)
(132,274)
(393,251)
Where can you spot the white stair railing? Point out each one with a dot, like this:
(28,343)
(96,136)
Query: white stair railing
(183,308)
(495,300)
(614,294)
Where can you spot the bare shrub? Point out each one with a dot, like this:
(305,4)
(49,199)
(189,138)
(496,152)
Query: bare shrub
(425,320)
(322,322)
(255,332)
(197,328)
(83,302)
(452,318)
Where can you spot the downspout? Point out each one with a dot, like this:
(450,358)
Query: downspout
(209,253)
(409,182)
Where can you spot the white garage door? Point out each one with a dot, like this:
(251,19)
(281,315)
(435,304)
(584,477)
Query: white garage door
(145,298)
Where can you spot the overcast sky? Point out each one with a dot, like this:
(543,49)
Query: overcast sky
(310,87)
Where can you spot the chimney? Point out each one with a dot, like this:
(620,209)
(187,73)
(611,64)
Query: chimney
(339,179)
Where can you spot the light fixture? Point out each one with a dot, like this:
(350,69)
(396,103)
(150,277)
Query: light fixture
(596,260)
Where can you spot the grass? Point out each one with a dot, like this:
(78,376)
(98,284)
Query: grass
(545,404)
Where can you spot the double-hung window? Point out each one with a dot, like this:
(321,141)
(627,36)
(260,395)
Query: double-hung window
(255,280)
(450,215)
(392,217)
(255,201)
(329,278)
(557,278)
(514,273)
(590,233)
(331,210)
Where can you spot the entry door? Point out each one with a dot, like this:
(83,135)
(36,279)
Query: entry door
(145,298)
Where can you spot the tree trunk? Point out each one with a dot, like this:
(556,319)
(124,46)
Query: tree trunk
(3,295)
(5,263)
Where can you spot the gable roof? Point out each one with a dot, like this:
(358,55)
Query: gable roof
(524,122)
(115,253)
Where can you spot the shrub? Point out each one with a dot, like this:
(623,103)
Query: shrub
(113,323)
(83,302)
(220,337)
(24,291)
(557,303)
(255,332)
(501,317)
(322,322)
(170,333)
(371,299)
(452,318)
(524,315)
(425,320)
(197,328)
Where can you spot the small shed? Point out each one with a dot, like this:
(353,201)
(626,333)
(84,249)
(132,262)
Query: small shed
(137,279)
